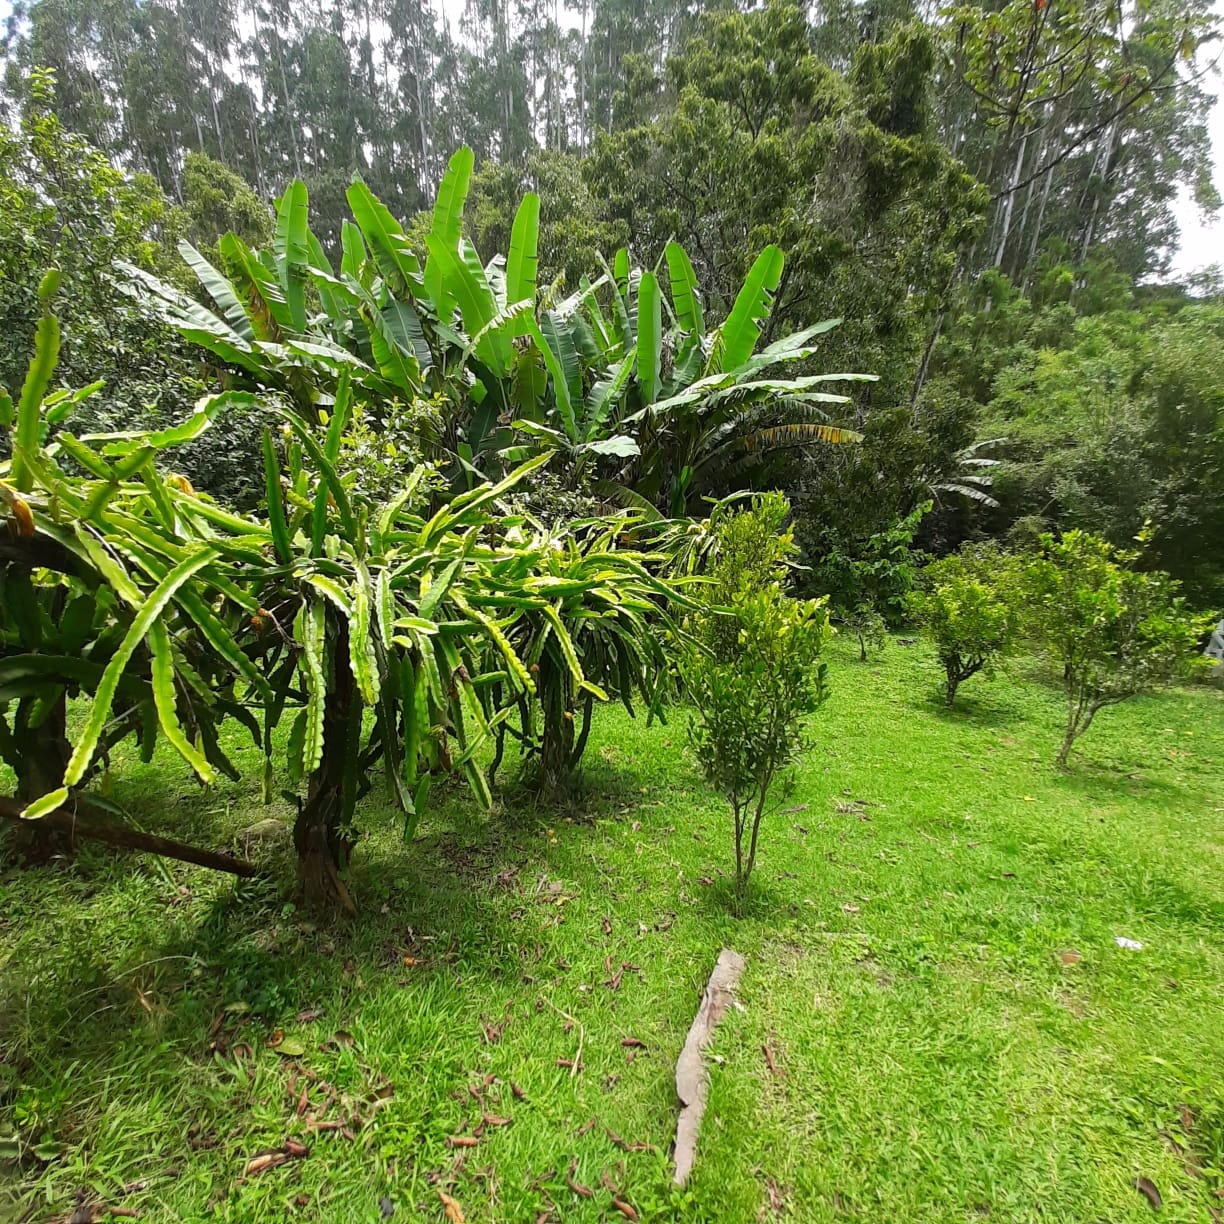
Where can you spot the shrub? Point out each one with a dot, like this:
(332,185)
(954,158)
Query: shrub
(1113,632)
(869,586)
(963,606)
(753,672)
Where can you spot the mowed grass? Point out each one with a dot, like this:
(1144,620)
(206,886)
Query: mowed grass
(932,967)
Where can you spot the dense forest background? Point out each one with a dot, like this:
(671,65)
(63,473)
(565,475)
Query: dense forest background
(983,192)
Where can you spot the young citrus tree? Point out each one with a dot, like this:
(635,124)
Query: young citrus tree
(966,605)
(753,672)
(1112,631)
(869,585)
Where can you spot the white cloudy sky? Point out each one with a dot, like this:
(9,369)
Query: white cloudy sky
(1202,243)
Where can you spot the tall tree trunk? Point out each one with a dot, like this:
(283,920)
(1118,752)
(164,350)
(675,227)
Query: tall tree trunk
(582,106)
(290,117)
(1036,240)
(1105,162)
(256,151)
(424,169)
(321,834)
(1010,201)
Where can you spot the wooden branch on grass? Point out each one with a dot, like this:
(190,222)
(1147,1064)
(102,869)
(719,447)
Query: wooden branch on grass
(74,824)
(692,1079)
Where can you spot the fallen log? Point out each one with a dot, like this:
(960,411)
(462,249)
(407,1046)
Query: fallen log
(692,1077)
(77,824)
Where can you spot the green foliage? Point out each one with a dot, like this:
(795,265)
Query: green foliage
(751,549)
(64,205)
(753,673)
(869,587)
(516,370)
(593,621)
(216,201)
(1109,419)
(757,142)
(966,604)
(1113,631)
(107,594)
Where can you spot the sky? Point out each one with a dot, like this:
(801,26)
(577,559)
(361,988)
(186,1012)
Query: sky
(1202,241)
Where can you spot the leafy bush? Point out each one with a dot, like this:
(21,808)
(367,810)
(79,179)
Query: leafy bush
(870,629)
(753,672)
(869,586)
(965,606)
(1112,631)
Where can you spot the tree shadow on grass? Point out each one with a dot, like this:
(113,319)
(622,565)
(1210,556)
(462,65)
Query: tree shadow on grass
(1095,781)
(245,965)
(969,709)
(762,900)
(1163,898)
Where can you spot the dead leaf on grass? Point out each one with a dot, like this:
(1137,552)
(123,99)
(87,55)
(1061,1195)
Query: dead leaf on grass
(776,1202)
(450,1206)
(770,1062)
(263,1162)
(625,1145)
(577,1187)
(1148,1189)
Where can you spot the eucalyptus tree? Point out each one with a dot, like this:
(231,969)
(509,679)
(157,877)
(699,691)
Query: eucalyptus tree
(1054,104)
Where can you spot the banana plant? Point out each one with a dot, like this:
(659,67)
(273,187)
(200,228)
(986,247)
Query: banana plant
(703,407)
(685,408)
(286,320)
(104,596)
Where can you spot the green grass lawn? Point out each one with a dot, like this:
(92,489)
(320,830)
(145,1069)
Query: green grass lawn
(932,967)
